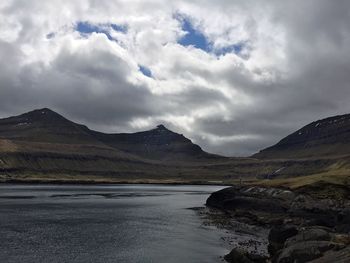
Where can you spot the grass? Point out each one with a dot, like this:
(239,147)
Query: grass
(338,177)
(82,163)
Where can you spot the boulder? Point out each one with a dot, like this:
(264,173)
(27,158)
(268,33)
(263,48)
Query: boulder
(316,234)
(278,235)
(217,199)
(332,256)
(254,204)
(304,251)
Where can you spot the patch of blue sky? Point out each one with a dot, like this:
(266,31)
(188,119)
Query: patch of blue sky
(197,39)
(234,48)
(193,37)
(119,28)
(87,28)
(145,71)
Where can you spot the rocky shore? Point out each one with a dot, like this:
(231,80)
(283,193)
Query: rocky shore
(310,224)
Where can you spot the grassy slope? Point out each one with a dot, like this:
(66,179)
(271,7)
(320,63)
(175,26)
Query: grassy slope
(55,166)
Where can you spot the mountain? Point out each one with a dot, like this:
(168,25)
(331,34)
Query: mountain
(44,144)
(159,143)
(46,126)
(328,137)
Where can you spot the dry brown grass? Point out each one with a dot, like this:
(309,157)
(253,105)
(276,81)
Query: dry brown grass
(340,177)
(7,146)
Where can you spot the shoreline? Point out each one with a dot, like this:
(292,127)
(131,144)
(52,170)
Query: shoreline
(106,182)
(241,235)
(302,227)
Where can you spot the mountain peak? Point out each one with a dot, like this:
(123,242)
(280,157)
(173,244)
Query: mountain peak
(162,130)
(44,125)
(41,111)
(43,115)
(162,127)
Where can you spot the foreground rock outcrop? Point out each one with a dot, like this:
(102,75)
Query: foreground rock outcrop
(304,227)
(239,255)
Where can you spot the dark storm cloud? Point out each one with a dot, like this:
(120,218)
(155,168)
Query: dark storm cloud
(195,97)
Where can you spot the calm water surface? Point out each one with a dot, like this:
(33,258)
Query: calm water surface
(106,223)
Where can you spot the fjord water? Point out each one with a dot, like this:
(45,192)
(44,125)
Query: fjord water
(106,223)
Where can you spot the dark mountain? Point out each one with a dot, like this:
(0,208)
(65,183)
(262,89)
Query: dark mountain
(42,145)
(46,126)
(159,143)
(327,137)
(48,130)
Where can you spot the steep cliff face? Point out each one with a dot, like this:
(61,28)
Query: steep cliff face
(327,137)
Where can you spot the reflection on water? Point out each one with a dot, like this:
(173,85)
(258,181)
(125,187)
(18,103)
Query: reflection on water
(106,223)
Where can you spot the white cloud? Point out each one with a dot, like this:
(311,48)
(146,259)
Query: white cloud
(293,67)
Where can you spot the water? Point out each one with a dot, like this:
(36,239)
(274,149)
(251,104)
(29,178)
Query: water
(106,223)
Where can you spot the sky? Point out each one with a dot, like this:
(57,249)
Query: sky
(233,76)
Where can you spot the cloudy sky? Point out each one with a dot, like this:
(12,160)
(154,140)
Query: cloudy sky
(234,76)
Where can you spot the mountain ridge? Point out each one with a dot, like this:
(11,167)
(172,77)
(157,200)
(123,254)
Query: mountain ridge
(324,137)
(47,126)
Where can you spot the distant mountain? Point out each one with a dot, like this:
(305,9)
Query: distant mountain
(48,130)
(42,145)
(46,126)
(159,143)
(327,137)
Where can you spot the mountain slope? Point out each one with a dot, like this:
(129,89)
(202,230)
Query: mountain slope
(322,138)
(159,143)
(44,125)
(46,129)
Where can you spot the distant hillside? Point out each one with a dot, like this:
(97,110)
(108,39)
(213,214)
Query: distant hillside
(159,143)
(322,138)
(48,130)
(43,144)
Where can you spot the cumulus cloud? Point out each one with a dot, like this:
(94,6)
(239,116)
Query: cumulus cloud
(261,70)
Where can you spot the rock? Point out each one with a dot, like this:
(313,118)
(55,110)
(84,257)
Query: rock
(240,256)
(251,199)
(340,256)
(254,204)
(316,234)
(305,251)
(341,239)
(343,219)
(217,199)
(344,216)
(237,256)
(269,192)
(314,212)
(278,235)
(304,226)
(308,244)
